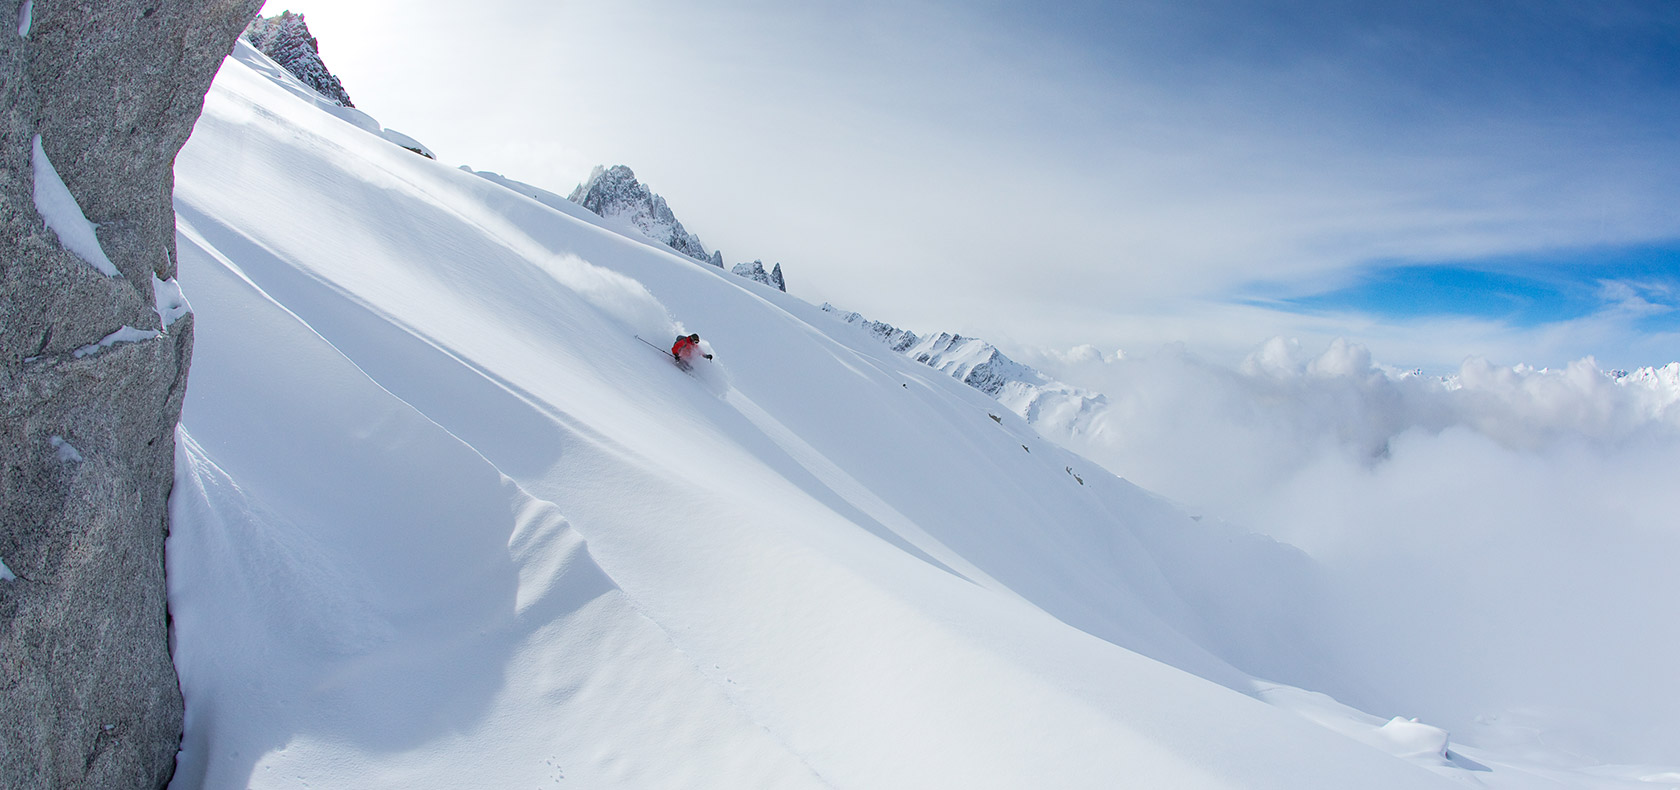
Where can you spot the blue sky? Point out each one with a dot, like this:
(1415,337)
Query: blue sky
(1524,290)
(1210,174)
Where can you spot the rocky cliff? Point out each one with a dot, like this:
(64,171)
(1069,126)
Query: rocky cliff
(95,341)
(286,40)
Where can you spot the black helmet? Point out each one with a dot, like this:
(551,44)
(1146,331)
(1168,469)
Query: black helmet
(694,337)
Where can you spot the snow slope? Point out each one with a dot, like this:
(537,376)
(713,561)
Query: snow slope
(441,519)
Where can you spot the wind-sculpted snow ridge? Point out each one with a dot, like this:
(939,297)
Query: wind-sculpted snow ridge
(615,194)
(286,39)
(1037,398)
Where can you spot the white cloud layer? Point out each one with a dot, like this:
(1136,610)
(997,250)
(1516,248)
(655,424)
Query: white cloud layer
(1503,545)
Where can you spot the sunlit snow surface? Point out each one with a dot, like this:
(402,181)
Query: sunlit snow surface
(441,519)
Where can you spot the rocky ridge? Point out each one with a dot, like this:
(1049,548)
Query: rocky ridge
(1024,390)
(755,271)
(613,193)
(98,98)
(285,39)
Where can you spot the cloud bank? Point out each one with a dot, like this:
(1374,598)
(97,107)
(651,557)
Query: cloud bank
(1502,542)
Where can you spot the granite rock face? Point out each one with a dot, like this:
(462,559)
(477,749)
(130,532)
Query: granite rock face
(92,373)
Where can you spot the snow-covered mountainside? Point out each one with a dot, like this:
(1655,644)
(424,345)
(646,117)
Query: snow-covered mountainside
(285,39)
(443,518)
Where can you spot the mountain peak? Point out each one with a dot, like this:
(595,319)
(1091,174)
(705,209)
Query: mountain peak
(285,39)
(614,193)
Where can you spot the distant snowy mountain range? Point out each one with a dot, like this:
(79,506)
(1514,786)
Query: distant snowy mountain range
(979,364)
(1061,411)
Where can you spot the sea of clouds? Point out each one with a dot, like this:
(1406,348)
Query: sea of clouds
(1505,541)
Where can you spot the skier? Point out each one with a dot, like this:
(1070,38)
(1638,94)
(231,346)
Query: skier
(685,348)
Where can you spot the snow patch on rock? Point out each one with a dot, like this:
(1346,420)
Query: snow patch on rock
(26,19)
(127,334)
(64,215)
(171,303)
(67,452)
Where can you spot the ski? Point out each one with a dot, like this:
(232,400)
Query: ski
(674,358)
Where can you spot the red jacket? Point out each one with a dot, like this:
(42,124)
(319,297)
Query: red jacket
(683,348)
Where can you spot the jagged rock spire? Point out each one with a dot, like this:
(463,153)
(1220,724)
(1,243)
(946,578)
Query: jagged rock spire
(614,193)
(755,271)
(285,39)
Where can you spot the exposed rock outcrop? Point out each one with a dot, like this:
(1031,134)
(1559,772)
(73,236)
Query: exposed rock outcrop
(98,98)
(613,193)
(755,271)
(286,40)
